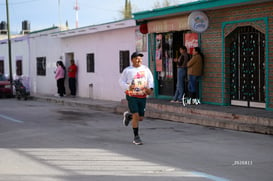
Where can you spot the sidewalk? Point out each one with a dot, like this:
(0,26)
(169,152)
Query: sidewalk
(227,117)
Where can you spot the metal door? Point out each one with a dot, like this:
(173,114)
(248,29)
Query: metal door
(247,67)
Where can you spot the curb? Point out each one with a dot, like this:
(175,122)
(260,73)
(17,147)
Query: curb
(231,121)
(109,106)
(189,115)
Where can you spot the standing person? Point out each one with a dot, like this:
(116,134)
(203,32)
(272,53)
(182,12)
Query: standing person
(137,82)
(63,79)
(195,66)
(62,64)
(60,76)
(181,74)
(72,71)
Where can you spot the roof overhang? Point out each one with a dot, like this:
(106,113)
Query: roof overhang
(95,28)
(200,5)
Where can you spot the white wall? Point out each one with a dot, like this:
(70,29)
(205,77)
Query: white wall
(42,45)
(106,44)
(106,47)
(19,51)
(4,56)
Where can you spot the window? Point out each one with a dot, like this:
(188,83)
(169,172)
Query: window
(2,70)
(41,65)
(90,62)
(19,67)
(124,60)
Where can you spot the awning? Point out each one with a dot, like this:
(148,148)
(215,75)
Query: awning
(169,24)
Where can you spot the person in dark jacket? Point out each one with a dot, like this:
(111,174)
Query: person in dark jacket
(195,69)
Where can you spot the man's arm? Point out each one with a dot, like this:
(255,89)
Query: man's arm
(123,81)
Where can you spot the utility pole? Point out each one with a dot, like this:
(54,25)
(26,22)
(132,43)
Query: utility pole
(9,44)
(76,7)
(59,13)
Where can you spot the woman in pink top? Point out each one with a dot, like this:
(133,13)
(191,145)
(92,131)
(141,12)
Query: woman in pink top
(60,76)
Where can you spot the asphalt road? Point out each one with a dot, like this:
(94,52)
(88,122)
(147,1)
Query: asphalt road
(49,142)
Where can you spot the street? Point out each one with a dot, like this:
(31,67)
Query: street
(42,141)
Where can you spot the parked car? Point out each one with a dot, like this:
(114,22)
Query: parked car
(5,87)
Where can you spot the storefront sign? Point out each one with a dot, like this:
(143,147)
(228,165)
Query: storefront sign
(198,22)
(167,25)
(191,41)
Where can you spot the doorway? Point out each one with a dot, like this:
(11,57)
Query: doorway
(68,57)
(246,47)
(167,49)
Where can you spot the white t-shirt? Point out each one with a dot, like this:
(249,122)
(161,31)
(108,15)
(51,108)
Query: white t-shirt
(141,77)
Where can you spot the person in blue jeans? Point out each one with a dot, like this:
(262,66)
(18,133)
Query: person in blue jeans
(181,74)
(195,69)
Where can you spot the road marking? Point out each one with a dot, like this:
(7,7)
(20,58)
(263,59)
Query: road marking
(55,162)
(11,119)
(208,176)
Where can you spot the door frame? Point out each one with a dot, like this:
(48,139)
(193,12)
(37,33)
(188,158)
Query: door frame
(67,58)
(260,24)
(235,39)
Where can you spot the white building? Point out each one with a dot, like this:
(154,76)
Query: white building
(98,50)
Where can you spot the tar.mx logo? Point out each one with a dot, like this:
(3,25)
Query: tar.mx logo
(242,163)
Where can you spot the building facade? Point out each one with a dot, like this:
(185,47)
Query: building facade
(236,39)
(101,52)
(235,36)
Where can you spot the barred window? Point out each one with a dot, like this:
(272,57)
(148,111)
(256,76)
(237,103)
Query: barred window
(41,66)
(2,70)
(90,62)
(124,60)
(19,68)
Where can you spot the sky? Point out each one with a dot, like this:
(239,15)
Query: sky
(44,14)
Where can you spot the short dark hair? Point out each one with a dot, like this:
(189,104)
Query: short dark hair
(198,50)
(183,48)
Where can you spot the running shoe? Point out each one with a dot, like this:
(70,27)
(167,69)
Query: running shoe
(127,117)
(137,141)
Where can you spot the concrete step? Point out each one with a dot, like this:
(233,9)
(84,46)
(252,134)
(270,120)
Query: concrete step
(193,110)
(193,115)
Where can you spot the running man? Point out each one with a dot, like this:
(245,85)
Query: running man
(137,82)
